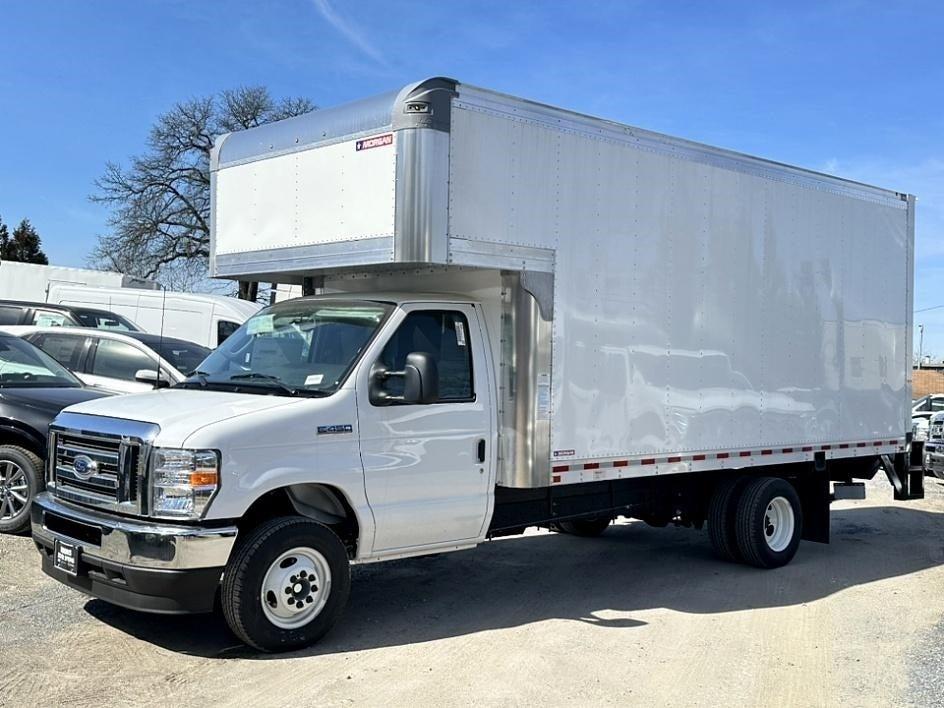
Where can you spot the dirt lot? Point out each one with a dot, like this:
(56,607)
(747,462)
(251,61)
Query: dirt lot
(639,616)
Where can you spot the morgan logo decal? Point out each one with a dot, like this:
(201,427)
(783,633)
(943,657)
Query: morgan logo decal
(335,429)
(374,142)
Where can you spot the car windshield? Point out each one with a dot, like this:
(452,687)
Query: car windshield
(183,356)
(100,319)
(23,365)
(299,347)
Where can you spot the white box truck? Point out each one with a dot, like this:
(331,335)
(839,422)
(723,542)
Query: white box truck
(203,318)
(522,317)
(32,281)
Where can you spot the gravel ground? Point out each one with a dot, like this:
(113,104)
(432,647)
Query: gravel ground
(638,616)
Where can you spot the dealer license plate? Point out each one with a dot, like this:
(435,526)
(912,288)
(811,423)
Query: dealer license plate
(66,557)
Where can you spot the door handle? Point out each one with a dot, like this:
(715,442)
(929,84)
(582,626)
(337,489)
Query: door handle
(481,451)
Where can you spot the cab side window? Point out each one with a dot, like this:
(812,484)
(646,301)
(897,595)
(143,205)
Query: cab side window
(224,328)
(52,318)
(118,360)
(444,334)
(64,348)
(11,314)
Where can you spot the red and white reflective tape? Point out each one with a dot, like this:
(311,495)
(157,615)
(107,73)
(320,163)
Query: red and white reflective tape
(616,468)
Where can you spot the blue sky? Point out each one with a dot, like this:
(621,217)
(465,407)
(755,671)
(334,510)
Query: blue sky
(853,88)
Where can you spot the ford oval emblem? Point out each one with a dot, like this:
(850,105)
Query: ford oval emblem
(84,466)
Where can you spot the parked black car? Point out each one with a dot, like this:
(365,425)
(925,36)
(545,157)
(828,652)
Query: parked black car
(33,389)
(44,314)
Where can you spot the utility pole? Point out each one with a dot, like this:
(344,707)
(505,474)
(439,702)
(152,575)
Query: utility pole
(920,344)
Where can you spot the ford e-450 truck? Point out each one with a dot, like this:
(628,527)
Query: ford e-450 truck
(515,316)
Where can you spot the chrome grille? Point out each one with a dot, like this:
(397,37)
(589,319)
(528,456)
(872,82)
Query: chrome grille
(98,470)
(937,431)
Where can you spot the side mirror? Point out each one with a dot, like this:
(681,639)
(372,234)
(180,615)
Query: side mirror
(150,376)
(420,381)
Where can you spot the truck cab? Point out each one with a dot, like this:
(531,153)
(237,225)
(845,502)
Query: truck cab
(360,414)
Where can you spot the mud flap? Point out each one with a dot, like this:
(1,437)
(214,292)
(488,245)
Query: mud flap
(813,488)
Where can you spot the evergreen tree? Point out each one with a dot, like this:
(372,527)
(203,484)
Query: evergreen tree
(24,245)
(4,239)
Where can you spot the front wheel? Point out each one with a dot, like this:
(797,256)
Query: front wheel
(21,479)
(769,522)
(286,584)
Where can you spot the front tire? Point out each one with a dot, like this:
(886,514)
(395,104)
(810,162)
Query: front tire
(21,479)
(769,522)
(286,584)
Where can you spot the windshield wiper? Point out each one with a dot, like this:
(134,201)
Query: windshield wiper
(201,377)
(265,377)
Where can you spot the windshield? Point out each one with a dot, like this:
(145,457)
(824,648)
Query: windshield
(300,347)
(183,356)
(23,365)
(106,320)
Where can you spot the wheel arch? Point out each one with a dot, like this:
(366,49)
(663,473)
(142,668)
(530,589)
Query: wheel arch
(320,502)
(14,434)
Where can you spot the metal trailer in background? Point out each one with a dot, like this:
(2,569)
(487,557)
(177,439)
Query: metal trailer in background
(522,316)
(31,281)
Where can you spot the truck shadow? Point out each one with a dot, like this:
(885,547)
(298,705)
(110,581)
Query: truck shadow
(520,580)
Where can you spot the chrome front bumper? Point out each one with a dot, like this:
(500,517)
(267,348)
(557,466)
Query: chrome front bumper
(933,461)
(130,542)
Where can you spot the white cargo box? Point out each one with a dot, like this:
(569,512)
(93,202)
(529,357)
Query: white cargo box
(704,308)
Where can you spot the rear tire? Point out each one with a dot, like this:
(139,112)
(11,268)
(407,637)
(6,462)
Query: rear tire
(21,479)
(583,527)
(769,522)
(286,584)
(722,511)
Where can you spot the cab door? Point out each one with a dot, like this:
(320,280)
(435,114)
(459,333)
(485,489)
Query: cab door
(427,467)
(113,365)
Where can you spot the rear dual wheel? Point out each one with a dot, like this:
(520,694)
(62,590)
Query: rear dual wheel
(757,521)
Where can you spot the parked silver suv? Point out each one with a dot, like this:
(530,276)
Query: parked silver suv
(120,362)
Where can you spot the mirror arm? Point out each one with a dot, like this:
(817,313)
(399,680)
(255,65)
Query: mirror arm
(381,397)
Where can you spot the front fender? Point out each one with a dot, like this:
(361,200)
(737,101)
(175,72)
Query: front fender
(15,433)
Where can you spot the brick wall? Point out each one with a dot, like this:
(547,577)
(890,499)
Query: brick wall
(925,381)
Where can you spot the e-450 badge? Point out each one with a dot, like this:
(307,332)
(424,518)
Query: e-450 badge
(335,429)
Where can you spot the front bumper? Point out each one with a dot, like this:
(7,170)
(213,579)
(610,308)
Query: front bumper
(139,564)
(934,458)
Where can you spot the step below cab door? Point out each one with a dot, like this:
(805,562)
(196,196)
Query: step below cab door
(427,466)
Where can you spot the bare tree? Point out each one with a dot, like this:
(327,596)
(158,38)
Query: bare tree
(160,220)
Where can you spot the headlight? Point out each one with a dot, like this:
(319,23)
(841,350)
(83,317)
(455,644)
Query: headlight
(183,482)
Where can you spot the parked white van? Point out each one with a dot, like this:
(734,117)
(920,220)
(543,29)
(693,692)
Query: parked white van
(194,317)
